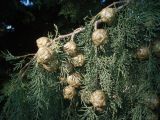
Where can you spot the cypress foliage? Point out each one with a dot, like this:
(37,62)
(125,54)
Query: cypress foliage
(131,85)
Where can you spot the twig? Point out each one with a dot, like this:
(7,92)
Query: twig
(56,30)
(117,9)
(113,4)
(25,68)
(78,30)
(122,6)
(24,56)
(72,34)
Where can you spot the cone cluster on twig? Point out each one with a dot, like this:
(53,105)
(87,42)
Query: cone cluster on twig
(73,78)
(46,55)
(99,38)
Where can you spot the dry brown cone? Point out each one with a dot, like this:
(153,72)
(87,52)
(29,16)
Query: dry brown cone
(142,53)
(98,100)
(43,42)
(44,55)
(69,92)
(78,60)
(74,80)
(108,15)
(70,48)
(100,37)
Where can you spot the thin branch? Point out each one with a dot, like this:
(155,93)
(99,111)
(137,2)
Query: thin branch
(25,68)
(56,30)
(117,9)
(122,6)
(111,5)
(115,3)
(24,56)
(72,34)
(78,30)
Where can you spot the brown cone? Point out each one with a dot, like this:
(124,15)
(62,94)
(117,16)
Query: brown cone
(108,15)
(142,53)
(70,48)
(43,42)
(78,60)
(100,37)
(98,99)
(44,55)
(69,92)
(74,80)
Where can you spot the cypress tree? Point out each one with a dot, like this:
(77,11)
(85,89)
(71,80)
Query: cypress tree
(108,69)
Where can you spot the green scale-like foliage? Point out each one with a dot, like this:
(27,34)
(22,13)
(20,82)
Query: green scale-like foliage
(126,81)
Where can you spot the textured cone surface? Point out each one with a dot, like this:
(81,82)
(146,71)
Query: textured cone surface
(74,80)
(70,48)
(108,15)
(78,60)
(100,37)
(142,53)
(44,55)
(156,48)
(69,92)
(43,42)
(98,99)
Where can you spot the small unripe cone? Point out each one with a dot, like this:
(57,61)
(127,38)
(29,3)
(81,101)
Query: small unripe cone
(67,67)
(69,92)
(152,101)
(44,55)
(142,53)
(43,42)
(78,60)
(74,80)
(156,48)
(70,48)
(108,15)
(51,66)
(98,99)
(100,37)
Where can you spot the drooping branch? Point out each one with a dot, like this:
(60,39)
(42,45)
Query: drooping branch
(25,68)
(76,31)
(24,56)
